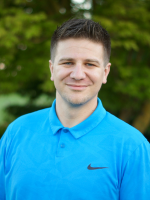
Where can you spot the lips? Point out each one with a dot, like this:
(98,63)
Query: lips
(77,87)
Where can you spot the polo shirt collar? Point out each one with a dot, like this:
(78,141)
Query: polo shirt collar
(80,129)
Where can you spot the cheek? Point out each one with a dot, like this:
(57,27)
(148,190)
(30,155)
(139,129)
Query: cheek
(60,74)
(96,77)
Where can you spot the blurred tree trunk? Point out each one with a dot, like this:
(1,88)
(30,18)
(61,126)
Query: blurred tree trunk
(125,114)
(142,121)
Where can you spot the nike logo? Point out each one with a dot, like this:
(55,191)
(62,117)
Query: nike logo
(92,168)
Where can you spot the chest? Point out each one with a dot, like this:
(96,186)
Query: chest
(61,167)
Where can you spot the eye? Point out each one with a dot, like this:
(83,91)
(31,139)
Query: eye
(89,64)
(67,63)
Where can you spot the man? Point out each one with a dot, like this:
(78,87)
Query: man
(75,149)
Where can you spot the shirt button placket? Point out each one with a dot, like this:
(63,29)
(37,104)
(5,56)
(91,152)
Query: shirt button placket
(65,130)
(62,145)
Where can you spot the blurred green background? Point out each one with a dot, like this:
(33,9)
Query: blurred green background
(26,27)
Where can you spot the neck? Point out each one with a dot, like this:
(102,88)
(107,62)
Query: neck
(70,115)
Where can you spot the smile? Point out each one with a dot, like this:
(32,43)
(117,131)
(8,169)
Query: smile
(77,87)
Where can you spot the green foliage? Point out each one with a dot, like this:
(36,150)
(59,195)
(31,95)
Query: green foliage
(25,32)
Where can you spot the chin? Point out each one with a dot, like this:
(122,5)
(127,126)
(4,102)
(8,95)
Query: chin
(77,101)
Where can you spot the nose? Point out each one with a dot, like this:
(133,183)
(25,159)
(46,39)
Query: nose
(77,72)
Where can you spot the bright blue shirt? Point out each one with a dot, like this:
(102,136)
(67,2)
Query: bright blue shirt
(102,158)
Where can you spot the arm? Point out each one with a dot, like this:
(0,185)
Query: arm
(135,182)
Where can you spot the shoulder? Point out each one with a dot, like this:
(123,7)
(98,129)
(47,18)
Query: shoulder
(36,117)
(121,129)
(25,128)
(28,122)
(123,139)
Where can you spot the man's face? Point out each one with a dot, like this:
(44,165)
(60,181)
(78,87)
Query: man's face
(78,70)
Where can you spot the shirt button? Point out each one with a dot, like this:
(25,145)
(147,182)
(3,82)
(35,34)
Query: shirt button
(62,145)
(65,130)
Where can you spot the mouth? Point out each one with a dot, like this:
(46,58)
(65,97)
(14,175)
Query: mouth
(77,87)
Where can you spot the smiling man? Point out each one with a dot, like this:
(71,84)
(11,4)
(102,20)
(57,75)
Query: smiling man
(78,72)
(75,149)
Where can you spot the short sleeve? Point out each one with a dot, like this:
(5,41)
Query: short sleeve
(135,182)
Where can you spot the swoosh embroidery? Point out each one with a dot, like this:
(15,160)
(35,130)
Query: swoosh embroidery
(92,168)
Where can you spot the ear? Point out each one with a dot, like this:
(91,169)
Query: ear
(106,72)
(51,70)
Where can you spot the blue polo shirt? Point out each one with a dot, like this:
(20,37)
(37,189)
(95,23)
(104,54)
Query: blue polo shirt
(102,158)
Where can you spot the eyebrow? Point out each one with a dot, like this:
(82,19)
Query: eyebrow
(86,60)
(66,59)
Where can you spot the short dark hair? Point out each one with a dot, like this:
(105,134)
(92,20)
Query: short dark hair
(82,28)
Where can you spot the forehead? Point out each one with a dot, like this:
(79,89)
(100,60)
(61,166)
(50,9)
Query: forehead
(79,48)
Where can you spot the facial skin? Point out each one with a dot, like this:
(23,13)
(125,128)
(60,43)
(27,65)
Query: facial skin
(78,71)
